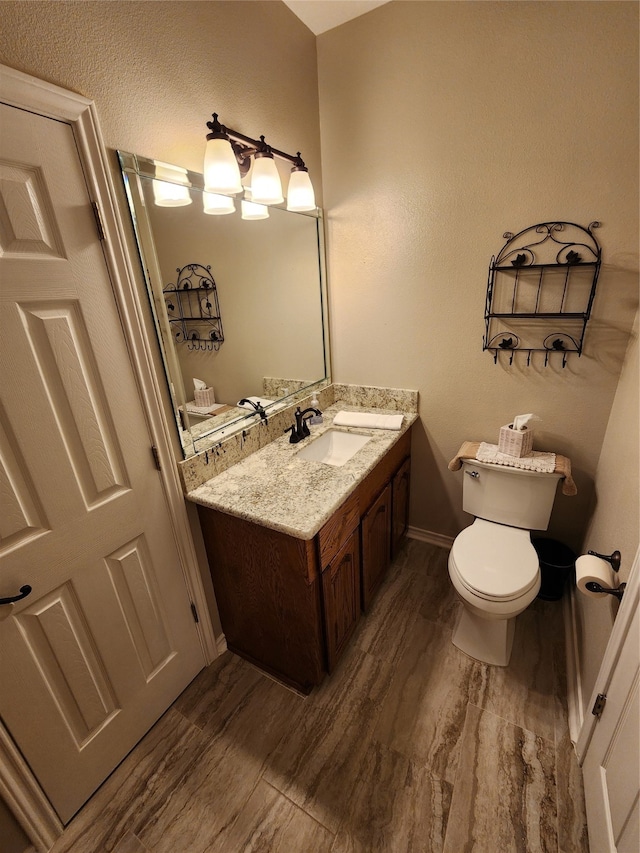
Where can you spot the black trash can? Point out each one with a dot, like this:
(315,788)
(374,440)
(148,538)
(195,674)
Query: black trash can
(557,561)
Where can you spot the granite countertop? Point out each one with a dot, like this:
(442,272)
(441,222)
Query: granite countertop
(276,489)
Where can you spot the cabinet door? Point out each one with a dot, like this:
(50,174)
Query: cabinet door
(376,535)
(341,597)
(400,505)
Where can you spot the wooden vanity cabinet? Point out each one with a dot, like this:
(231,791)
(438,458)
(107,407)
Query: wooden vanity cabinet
(266,585)
(290,605)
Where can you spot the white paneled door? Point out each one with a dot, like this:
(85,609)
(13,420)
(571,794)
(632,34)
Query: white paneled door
(611,768)
(106,640)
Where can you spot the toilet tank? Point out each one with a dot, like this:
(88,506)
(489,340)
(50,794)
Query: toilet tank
(509,496)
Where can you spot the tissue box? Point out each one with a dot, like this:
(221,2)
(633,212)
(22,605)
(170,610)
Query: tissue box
(206,397)
(515,442)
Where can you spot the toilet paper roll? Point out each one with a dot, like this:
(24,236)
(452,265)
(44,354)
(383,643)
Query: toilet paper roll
(590,568)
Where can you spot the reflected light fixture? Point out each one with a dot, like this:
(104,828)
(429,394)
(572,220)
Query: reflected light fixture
(231,154)
(251,210)
(216,204)
(170,185)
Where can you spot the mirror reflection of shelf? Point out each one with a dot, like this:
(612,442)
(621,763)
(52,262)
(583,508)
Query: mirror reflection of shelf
(193,309)
(540,291)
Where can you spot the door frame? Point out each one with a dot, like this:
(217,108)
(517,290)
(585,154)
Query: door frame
(18,786)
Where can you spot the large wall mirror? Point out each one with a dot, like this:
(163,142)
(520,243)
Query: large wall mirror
(239,304)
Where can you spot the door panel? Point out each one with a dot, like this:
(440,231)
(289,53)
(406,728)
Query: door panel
(106,640)
(341,598)
(611,768)
(376,532)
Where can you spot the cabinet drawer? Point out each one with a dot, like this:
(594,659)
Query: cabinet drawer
(336,531)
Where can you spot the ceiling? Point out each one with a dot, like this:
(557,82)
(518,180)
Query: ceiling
(323,15)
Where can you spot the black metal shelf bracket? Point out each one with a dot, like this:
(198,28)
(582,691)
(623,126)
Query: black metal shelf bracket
(193,308)
(540,291)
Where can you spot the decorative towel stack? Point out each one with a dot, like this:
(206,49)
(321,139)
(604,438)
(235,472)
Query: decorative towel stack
(470,450)
(537,461)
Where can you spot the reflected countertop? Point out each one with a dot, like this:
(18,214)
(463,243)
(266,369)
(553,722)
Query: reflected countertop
(275,488)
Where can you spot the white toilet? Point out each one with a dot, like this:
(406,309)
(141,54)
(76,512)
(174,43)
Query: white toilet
(493,565)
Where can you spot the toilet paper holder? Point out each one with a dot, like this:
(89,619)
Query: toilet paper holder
(615,559)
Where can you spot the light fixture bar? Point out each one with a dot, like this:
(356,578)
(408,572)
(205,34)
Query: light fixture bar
(245,147)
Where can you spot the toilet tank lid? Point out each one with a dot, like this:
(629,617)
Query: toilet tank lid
(496,560)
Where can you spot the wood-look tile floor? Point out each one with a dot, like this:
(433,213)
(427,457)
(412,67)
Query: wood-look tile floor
(409,746)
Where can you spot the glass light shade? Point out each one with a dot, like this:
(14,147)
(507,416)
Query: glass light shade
(265,181)
(171,186)
(221,172)
(217,205)
(300,195)
(251,210)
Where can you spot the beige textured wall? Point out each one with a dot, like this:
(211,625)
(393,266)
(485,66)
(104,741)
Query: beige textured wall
(157,70)
(443,125)
(616,521)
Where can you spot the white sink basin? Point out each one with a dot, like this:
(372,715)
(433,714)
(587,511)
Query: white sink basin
(334,447)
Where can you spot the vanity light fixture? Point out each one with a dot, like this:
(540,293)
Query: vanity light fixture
(266,187)
(300,196)
(230,155)
(171,186)
(216,204)
(221,170)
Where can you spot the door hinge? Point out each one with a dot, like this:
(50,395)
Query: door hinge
(156,457)
(98,218)
(598,705)
(194,612)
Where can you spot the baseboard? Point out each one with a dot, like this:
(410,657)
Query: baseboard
(574,680)
(429,536)
(221,644)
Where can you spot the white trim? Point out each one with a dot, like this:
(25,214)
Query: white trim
(575,704)
(628,606)
(24,796)
(221,643)
(429,536)
(26,92)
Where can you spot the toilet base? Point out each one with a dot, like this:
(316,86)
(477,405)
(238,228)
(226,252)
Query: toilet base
(486,640)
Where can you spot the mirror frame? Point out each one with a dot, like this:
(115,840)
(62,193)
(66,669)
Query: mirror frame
(197,437)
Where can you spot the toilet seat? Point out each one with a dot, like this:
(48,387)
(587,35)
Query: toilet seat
(495,562)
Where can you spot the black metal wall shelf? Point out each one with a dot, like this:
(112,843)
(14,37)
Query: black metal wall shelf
(542,283)
(193,309)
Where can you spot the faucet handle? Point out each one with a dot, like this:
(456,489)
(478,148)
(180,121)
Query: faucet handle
(294,438)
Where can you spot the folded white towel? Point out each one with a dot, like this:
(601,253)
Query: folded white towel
(259,401)
(367,420)
(538,461)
